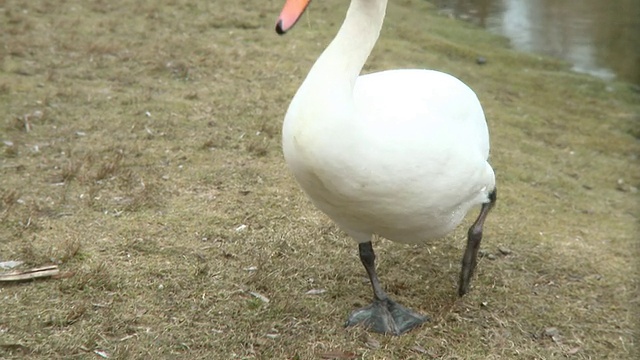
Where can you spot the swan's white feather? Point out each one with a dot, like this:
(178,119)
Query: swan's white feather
(409,164)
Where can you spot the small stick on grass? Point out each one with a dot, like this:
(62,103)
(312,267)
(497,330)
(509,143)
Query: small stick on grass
(34,273)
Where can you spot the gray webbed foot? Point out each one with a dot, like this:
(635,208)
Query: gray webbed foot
(386,317)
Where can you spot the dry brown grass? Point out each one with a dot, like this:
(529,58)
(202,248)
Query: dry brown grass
(141,154)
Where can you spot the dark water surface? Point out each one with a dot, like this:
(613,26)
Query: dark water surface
(598,37)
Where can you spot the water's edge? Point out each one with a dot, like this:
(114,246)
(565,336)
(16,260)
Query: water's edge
(596,37)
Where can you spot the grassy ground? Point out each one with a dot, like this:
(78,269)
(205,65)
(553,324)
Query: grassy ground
(141,153)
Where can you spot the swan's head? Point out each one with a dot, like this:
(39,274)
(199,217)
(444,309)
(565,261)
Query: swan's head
(291,12)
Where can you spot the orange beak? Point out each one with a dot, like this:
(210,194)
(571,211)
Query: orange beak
(290,14)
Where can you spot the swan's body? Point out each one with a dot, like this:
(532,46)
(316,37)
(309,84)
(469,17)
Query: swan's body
(407,164)
(401,154)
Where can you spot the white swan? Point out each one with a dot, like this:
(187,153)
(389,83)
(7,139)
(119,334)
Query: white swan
(401,154)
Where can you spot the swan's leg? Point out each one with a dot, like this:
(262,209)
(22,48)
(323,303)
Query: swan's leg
(473,244)
(383,315)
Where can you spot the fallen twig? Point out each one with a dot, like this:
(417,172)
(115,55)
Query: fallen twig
(29,274)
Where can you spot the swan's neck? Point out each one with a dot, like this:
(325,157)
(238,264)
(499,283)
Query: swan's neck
(343,59)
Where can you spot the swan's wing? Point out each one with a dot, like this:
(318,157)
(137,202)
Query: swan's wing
(428,136)
(431,105)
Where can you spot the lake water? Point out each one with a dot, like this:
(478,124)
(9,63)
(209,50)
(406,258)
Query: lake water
(598,37)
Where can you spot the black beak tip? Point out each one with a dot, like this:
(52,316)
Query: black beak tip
(279,28)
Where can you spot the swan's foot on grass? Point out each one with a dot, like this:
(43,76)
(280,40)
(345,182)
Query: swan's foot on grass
(383,315)
(386,317)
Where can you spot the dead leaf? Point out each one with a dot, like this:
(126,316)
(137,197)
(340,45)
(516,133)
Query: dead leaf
(259,296)
(551,331)
(316,291)
(101,353)
(419,349)
(372,343)
(504,251)
(573,351)
(554,334)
